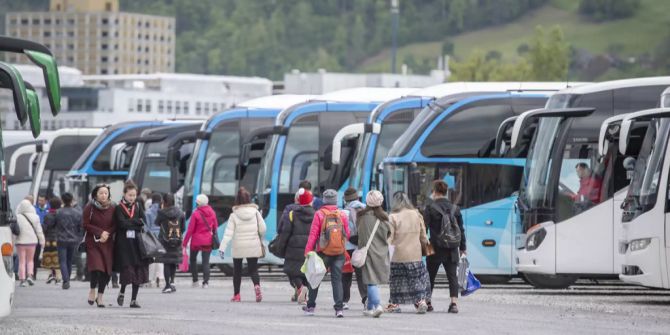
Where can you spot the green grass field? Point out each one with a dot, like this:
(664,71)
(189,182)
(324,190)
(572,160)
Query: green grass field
(633,36)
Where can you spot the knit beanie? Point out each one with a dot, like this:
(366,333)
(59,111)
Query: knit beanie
(304,197)
(350,194)
(330,197)
(374,199)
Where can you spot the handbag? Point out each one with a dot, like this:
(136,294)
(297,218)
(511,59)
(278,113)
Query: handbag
(260,238)
(278,245)
(82,245)
(361,254)
(215,236)
(150,246)
(427,249)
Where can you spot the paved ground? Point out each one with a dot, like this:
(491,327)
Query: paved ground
(500,309)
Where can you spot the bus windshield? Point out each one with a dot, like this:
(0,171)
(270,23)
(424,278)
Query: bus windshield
(415,129)
(358,166)
(264,184)
(534,192)
(643,191)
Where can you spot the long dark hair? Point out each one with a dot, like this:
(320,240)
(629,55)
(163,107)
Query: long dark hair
(378,212)
(243,197)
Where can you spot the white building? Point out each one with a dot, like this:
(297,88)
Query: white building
(322,81)
(100,100)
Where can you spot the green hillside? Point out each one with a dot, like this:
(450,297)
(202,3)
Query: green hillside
(631,37)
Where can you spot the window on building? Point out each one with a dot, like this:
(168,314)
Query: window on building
(70,46)
(70,34)
(12,21)
(116,59)
(47,21)
(108,6)
(116,71)
(105,21)
(139,61)
(206,108)
(70,59)
(105,34)
(70,21)
(116,46)
(131,105)
(169,107)
(139,105)
(36,21)
(139,23)
(57,21)
(146,37)
(215,108)
(147,24)
(47,34)
(147,105)
(24,21)
(139,36)
(186,108)
(104,46)
(103,59)
(103,71)
(198,108)
(177,107)
(146,62)
(146,49)
(161,109)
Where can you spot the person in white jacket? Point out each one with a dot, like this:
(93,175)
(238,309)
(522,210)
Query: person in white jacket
(246,229)
(29,236)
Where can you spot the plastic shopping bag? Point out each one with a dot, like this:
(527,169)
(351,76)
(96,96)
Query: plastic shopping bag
(463,266)
(183,267)
(472,285)
(347,268)
(314,269)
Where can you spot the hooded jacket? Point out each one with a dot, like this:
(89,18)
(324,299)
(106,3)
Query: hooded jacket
(315,230)
(199,232)
(29,223)
(246,229)
(173,255)
(295,235)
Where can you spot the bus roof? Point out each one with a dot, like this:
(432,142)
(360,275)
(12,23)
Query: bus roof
(365,94)
(617,84)
(463,87)
(279,101)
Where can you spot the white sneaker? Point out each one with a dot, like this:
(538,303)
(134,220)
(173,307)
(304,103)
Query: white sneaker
(422,308)
(195,284)
(368,312)
(345,307)
(205,285)
(377,312)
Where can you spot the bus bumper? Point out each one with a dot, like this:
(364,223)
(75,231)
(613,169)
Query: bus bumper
(643,266)
(538,256)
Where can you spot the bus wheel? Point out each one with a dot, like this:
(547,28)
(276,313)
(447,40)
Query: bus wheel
(549,281)
(493,279)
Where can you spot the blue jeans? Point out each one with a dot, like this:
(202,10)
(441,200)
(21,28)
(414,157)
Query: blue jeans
(335,264)
(65,255)
(373,296)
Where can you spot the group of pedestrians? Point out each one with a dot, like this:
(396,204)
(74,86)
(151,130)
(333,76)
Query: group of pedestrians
(395,244)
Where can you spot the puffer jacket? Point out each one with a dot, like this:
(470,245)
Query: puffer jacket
(294,236)
(246,229)
(29,223)
(317,223)
(199,231)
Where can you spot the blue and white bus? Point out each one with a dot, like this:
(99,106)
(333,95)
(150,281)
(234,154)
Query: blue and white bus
(301,147)
(107,159)
(454,139)
(227,155)
(390,120)
(572,191)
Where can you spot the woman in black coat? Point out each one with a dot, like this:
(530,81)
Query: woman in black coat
(128,260)
(294,237)
(171,221)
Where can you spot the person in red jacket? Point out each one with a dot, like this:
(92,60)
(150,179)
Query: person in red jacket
(202,226)
(332,261)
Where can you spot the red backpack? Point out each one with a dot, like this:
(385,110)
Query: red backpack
(332,240)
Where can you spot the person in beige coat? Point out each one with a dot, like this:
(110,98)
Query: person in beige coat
(409,282)
(246,229)
(30,235)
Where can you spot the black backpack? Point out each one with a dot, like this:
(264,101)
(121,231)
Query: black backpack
(450,233)
(173,235)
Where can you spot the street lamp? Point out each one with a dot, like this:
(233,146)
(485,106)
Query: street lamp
(395,15)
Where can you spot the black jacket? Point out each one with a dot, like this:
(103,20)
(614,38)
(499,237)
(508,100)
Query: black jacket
(295,237)
(173,255)
(127,250)
(433,221)
(68,223)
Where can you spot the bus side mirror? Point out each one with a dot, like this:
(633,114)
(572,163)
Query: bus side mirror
(629,165)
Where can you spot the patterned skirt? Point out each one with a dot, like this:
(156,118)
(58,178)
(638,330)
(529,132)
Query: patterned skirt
(50,256)
(409,283)
(134,275)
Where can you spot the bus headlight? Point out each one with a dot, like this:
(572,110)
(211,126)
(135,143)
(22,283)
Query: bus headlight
(534,240)
(639,244)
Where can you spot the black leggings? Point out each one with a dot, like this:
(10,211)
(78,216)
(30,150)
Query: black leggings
(433,265)
(252,265)
(193,260)
(347,280)
(136,289)
(100,280)
(169,271)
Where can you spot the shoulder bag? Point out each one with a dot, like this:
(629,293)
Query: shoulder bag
(215,236)
(361,254)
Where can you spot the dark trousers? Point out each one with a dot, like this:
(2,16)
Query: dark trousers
(36,259)
(347,280)
(252,266)
(15,259)
(193,264)
(100,280)
(334,263)
(169,271)
(433,264)
(65,256)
